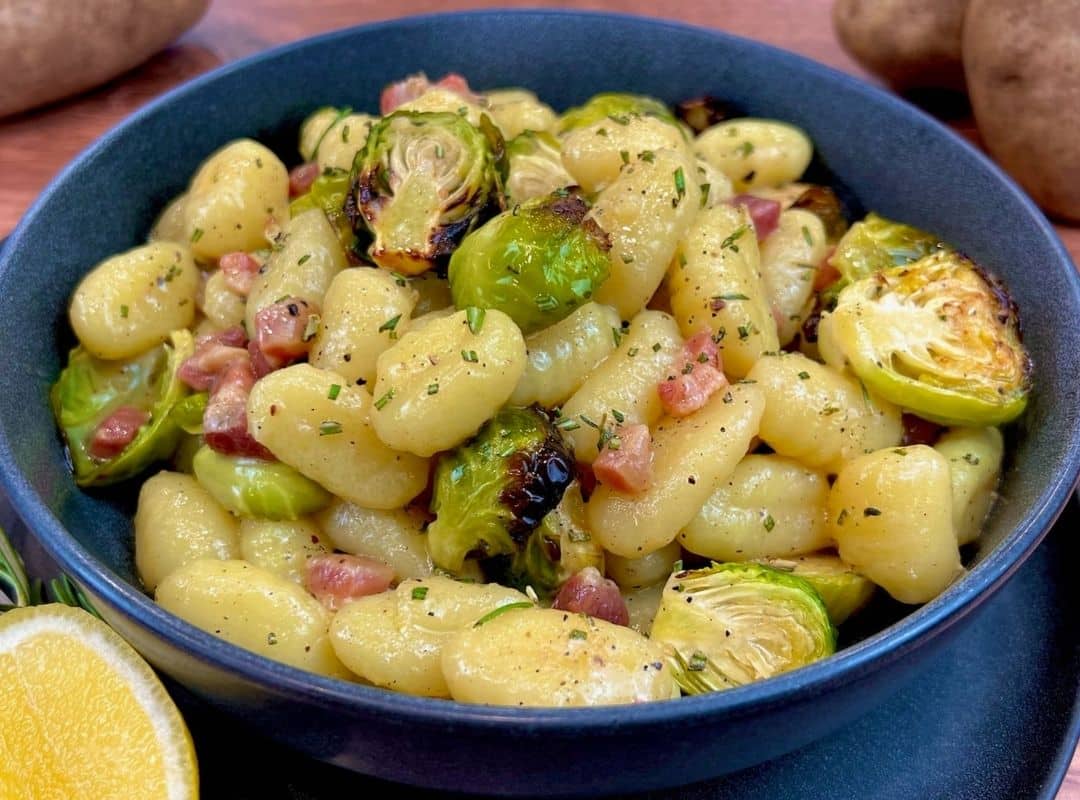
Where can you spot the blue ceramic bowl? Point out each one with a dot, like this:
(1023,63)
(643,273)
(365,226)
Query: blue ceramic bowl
(892,158)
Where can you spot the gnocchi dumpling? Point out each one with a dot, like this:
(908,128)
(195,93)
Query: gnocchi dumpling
(756,153)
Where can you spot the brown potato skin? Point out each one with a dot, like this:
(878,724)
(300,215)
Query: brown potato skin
(1023,71)
(911,44)
(56,48)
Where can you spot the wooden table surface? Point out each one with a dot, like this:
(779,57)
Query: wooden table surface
(34,146)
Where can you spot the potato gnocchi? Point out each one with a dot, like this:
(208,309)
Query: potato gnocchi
(542,430)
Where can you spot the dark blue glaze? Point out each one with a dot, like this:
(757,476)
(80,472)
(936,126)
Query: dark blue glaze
(894,159)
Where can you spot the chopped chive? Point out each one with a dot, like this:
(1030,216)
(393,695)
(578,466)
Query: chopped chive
(625,156)
(705,187)
(433,388)
(123,312)
(419,592)
(807,237)
(633,351)
(475,318)
(619,416)
(804,376)
(744,332)
(588,421)
(828,411)
(680,183)
(567,424)
(345,134)
(399,279)
(648,156)
(470,356)
(730,296)
(196,235)
(577,633)
(390,324)
(746,148)
(545,302)
(769,522)
(329,427)
(500,611)
(656,347)
(382,401)
(698,662)
(335,390)
(616,335)
(439,152)
(843,515)
(303,259)
(729,242)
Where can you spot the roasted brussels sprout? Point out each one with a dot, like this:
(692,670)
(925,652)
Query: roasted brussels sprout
(329,192)
(616,106)
(422,181)
(492,491)
(558,548)
(875,243)
(535,165)
(253,487)
(91,393)
(938,337)
(730,624)
(843,590)
(825,204)
(536,263)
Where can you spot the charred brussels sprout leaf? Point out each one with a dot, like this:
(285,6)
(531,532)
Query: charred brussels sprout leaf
(875,243)
(328,192)
(536,167)
(422,181)
(90,390)
(615,106)
(731,624)
(843,590)
(701,113)
(536,263)
(557,549)
(825,204)
(938,337)
(492,491)
(253,487)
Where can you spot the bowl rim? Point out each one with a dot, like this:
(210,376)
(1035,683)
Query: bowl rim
(863,658)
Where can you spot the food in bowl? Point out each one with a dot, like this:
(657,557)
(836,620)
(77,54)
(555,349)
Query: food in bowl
(495,404)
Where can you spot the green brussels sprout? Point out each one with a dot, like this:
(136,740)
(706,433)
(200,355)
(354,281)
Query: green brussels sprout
(422,181)
(938,337)
(559,547)
(492,491)
(617,107)
(254,487)
(90,390)
(328,192)
(536,263)
(843,590)
(535,167)
(188,413)
(875,243)
(730,624)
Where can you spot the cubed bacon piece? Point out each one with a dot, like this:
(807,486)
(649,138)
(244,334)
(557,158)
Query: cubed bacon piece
(336,578)
(214,353)
(920,431)
(239,270)
(697,376)
(765,214)
(397,94)
(225,426)
(301,178)
(629,467)
(589,592)
(283,331)
(116,432)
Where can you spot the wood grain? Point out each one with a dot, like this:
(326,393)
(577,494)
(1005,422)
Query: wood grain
(36,145)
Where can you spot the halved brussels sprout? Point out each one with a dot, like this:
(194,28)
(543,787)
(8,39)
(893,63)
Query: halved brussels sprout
(492,491)
(536,262)
(253,487)
(188,413)
(730,624)
(557,549)
(843,590)
(536,167)
(875,243)
(328,192)
(90,390)
(422,181)
(938,337)
(616,106)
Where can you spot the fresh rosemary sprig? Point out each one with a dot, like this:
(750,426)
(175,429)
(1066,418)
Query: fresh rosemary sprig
(16,589)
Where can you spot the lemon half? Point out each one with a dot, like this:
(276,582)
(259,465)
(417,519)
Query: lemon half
(85,716)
